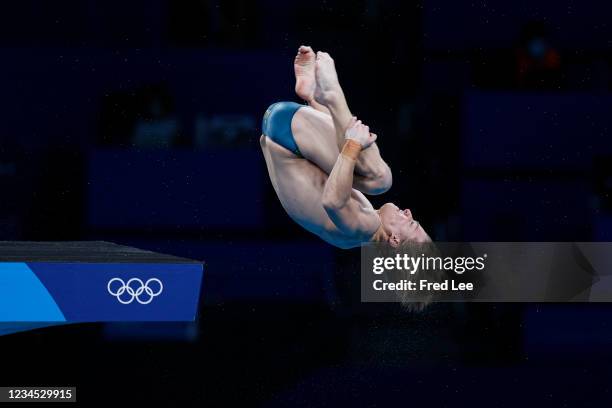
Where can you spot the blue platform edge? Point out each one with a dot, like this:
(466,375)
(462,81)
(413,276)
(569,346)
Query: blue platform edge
(40,294)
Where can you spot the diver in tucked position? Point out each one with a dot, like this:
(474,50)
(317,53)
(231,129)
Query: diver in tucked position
(322,160)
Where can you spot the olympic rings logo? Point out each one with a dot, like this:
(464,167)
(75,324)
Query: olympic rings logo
(134,289)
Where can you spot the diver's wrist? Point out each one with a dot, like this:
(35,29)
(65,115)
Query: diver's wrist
(351,148)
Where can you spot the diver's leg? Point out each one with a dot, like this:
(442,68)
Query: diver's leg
(304,68)
(375,174)
(329,93)
(314,133)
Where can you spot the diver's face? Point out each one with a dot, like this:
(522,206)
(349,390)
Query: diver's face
(400,225)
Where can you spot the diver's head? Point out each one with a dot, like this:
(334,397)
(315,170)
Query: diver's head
(400,226)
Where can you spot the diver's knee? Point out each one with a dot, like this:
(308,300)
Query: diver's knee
(386,180)
(381,181)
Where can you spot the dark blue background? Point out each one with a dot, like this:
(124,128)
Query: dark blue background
(486,142)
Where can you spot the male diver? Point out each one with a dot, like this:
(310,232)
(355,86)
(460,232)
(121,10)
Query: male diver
(322,160)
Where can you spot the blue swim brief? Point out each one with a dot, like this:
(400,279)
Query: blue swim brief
(277,124)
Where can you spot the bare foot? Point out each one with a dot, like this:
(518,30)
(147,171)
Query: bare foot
(304,66)
(327,85)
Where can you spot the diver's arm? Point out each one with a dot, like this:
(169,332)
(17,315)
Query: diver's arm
(347,214)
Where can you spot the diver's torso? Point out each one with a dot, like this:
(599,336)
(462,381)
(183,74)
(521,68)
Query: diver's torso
(299,185)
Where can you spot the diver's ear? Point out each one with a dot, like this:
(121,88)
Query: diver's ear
(394,241)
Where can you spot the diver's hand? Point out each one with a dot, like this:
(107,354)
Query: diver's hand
(360,133)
